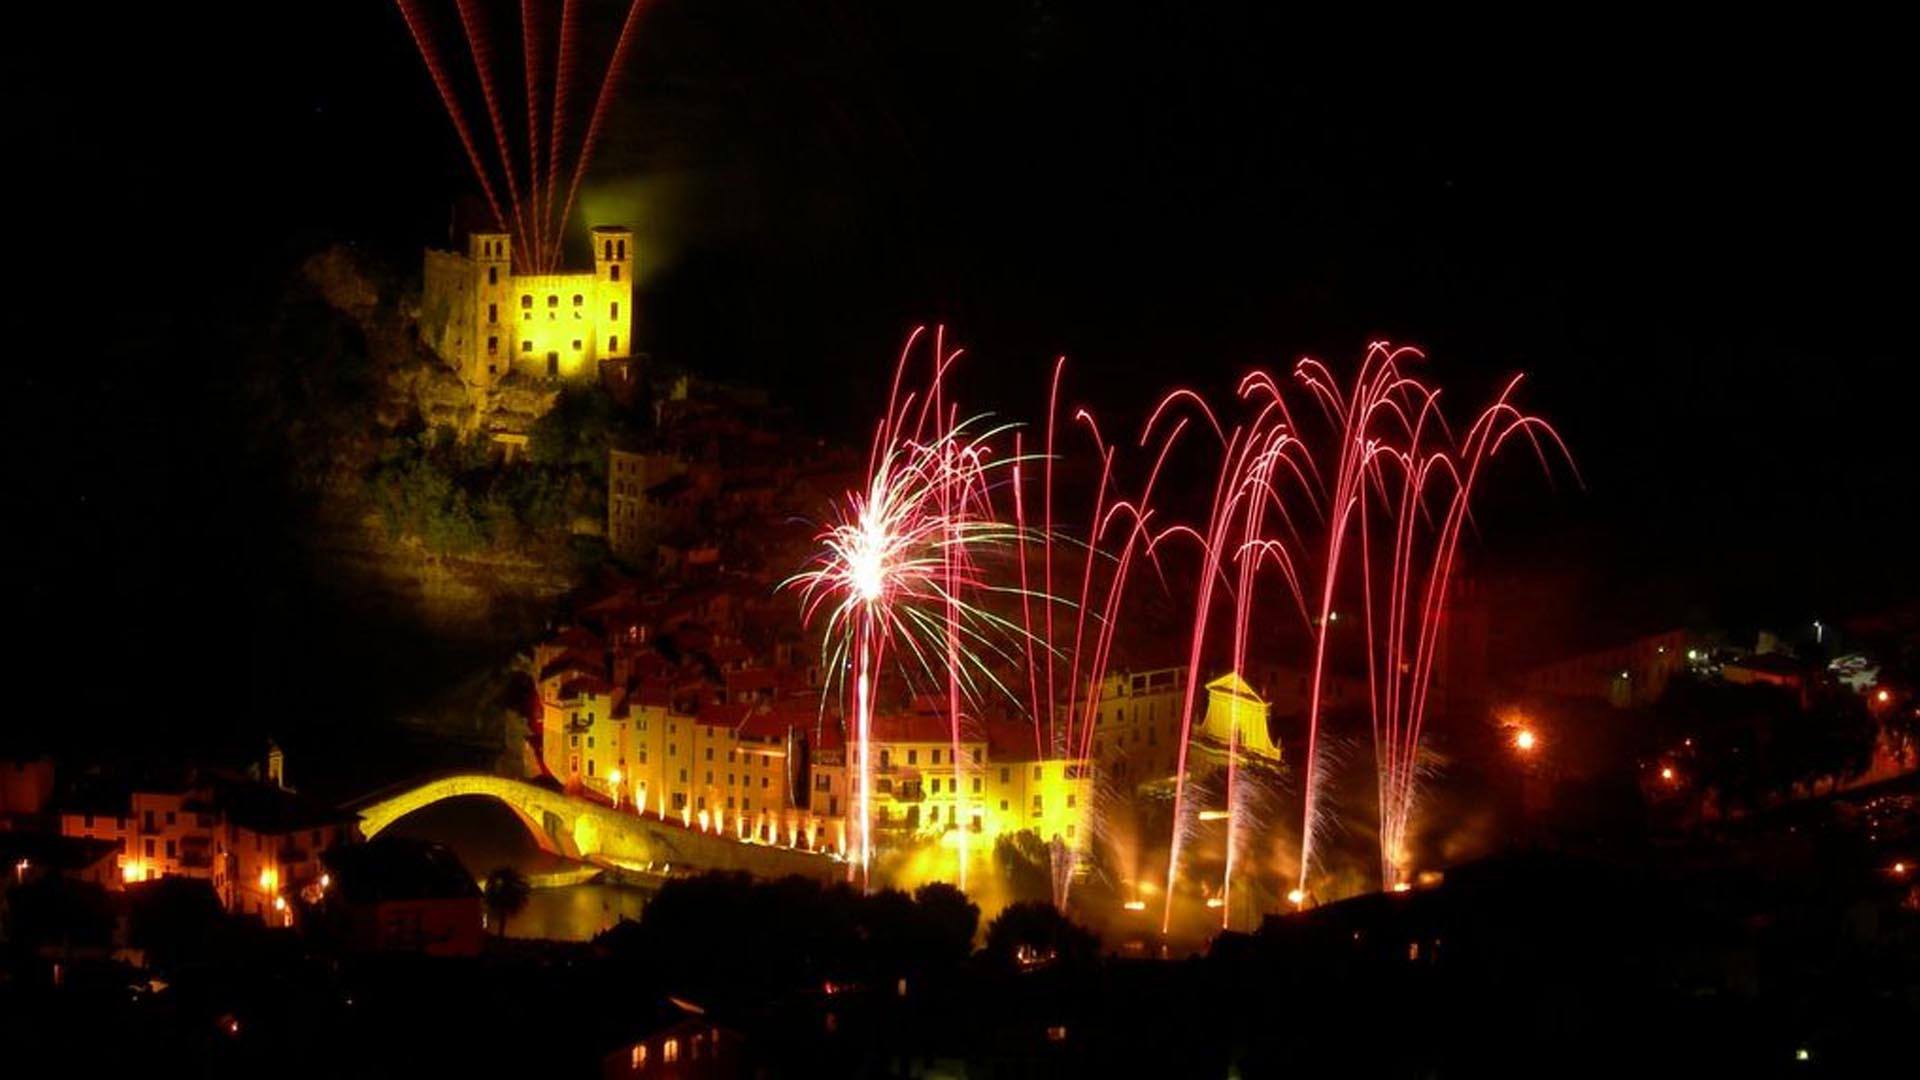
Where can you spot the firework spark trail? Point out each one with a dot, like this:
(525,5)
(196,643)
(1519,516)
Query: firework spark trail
(1425,576)
(563,64)
(1202,606)
(530,60)
(1083,710)
(1354,417)
(409,11)
(481,47)
(607,86)
(894,572)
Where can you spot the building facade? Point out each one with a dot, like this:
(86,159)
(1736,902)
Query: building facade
(488,321)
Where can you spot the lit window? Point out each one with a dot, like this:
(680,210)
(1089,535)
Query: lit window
(670,1051)
(640,1056)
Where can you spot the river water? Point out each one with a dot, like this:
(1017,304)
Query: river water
(486,835)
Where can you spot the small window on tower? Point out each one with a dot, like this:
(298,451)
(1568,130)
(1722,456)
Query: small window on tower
(493,313)
(493,345)
(553,300)
(613,310)
(526,300)
(493,275)
(526,346)
(576,344)
(622,249)
(614,271)
(613,343)
(577,300)
(607,249)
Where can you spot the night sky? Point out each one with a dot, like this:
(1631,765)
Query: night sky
(1697,239)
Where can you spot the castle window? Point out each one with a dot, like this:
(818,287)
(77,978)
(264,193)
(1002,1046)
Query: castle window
(613,310)
(576,344)
(613,343)
(577,300)
(526,300)
(622,249)
(526,346)
(493,275)
(614,271)
(553,300)
(493,344)
(493,313)
(608,250)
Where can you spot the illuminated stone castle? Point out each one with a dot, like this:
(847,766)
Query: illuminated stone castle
(487,321)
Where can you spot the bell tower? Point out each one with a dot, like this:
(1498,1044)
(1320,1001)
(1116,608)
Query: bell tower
(613,286)
(492,348)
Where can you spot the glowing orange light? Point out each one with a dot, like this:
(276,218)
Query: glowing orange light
(1524,739)
(1401,886)
(1296,897)
(1215,902)
(1213,815)
(1883,695)
(131,871)
(1135,905)
(1900,869)
(1666,772)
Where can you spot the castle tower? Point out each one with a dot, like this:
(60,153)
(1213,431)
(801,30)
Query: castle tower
(491,354)
(613,284)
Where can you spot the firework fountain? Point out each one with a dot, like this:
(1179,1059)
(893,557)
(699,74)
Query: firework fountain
(897,572)
(921,567)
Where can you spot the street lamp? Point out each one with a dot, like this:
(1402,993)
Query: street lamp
(1524,740)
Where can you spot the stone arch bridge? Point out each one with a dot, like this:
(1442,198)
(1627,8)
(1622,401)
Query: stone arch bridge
(581,829)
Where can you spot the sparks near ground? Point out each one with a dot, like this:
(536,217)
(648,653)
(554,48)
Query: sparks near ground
(531,186)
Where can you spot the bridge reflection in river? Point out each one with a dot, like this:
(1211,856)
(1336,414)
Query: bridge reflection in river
(486,835)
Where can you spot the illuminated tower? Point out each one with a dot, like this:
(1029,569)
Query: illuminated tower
(492,341)
(613,285)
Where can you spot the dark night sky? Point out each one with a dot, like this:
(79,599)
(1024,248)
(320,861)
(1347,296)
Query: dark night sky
(1696,238)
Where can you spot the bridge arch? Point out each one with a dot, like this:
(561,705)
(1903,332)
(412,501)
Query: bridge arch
(552,819)
(580,829)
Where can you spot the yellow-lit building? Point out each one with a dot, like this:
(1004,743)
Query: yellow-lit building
(257,844)
(488,321)
(1136,732)
(679,755)
(1237,717)
(918,787)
